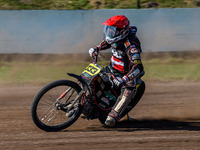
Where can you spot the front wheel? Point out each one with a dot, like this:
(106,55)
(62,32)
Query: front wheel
(53,108)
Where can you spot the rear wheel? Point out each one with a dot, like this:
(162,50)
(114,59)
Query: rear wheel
(132,104)
(138,96)
(102,118)
(53,102)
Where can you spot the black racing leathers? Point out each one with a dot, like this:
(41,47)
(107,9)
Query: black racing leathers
(125,55)
(125,63)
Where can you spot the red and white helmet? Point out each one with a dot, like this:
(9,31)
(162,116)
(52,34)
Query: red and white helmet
(116,28)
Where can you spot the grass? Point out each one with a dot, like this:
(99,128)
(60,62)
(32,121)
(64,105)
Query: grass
(172,70)
(34,72)
(93,4)
(169,69)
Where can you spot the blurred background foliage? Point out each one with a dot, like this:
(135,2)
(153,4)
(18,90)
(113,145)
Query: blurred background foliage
(96,4)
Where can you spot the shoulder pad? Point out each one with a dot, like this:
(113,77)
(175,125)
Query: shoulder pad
(133,29)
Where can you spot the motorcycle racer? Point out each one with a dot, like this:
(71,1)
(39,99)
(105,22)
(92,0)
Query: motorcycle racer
(125,65)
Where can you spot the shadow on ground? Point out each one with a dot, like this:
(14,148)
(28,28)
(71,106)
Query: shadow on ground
(161,124)
(146,125)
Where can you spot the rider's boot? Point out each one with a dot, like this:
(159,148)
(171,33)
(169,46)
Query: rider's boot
(83,116)
(110,121)
(119,107)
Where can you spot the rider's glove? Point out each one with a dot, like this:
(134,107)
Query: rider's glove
(116,82)
(93,52)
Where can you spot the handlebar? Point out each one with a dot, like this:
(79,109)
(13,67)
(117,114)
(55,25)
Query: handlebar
(96,58)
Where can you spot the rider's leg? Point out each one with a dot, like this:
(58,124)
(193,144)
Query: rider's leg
(128,92)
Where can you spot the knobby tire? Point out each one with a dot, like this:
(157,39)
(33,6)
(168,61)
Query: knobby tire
(40,95)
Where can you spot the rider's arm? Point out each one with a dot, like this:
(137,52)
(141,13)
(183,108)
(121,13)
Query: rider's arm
(136,66)
(103,45)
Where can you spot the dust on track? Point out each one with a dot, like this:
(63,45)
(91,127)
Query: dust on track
(167,117)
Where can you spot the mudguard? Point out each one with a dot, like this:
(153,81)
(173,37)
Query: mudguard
(77,77)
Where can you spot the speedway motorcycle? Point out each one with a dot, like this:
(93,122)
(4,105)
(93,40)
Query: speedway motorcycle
(60,103)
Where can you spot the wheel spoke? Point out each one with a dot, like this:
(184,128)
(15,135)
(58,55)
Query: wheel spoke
(51,104)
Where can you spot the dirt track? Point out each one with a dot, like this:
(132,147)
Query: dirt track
(168,117)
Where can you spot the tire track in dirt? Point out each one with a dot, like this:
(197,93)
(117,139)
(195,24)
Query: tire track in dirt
(167,117)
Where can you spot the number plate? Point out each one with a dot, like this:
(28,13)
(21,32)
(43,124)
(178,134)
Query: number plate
(92,69)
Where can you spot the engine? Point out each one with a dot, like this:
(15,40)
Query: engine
(100,100)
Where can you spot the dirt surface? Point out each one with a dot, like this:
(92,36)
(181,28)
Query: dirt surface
(167,117)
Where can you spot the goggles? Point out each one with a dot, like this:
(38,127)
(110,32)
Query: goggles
(110,31)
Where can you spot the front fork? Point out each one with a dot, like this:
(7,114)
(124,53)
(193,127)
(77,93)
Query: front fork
(82,93)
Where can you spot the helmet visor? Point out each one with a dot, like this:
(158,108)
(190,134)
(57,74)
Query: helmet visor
(110,31)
